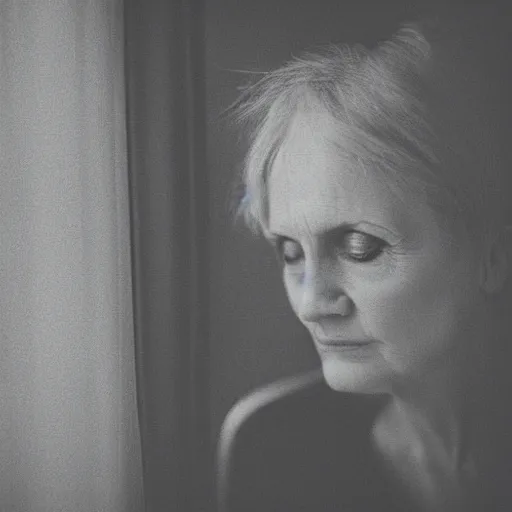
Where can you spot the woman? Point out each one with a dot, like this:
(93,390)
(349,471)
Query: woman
(381,176)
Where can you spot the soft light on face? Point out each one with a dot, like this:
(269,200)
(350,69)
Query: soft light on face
(384,292)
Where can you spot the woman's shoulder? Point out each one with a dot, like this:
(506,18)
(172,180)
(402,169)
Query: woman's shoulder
(262,404)
(278,440)
(299,403)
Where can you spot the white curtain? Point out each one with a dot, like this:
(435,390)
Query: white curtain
(69,431)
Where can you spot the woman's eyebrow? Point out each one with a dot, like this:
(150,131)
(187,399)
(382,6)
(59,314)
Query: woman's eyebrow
(334,231)
(365,226)
(273,237)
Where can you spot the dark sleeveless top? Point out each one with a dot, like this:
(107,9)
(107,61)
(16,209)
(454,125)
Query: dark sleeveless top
(300,447)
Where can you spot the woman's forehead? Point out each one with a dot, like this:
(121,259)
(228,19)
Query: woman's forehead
(313,186)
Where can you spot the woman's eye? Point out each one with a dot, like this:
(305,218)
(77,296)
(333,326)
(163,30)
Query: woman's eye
(362,247)
(291,252)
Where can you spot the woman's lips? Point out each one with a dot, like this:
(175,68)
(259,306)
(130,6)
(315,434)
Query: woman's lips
(339,341)
(343,344)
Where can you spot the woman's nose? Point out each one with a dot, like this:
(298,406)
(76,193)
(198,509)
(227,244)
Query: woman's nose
(323,295)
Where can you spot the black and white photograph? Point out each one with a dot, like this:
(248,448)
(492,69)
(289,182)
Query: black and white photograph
(256,256)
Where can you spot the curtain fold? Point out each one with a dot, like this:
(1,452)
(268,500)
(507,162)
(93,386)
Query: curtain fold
(69,427)
(168,185)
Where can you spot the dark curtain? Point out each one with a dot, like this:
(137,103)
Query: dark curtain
(165,81)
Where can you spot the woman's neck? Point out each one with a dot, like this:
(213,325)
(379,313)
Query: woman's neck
(438,429)
(428,413)
(432,407)
(420,433)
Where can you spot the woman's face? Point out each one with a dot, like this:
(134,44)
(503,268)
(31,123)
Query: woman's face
(384,292)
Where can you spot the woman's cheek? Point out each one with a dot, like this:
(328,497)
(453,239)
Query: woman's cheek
(380,312)
(409,313)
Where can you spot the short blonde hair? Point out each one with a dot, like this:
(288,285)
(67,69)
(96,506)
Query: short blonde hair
(420,109)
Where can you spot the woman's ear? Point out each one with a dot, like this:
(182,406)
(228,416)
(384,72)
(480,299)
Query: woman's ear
(495,264)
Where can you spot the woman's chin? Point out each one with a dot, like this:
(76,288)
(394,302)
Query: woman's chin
(367,377)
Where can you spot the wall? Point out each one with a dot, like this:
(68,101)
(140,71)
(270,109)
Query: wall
(254,337)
